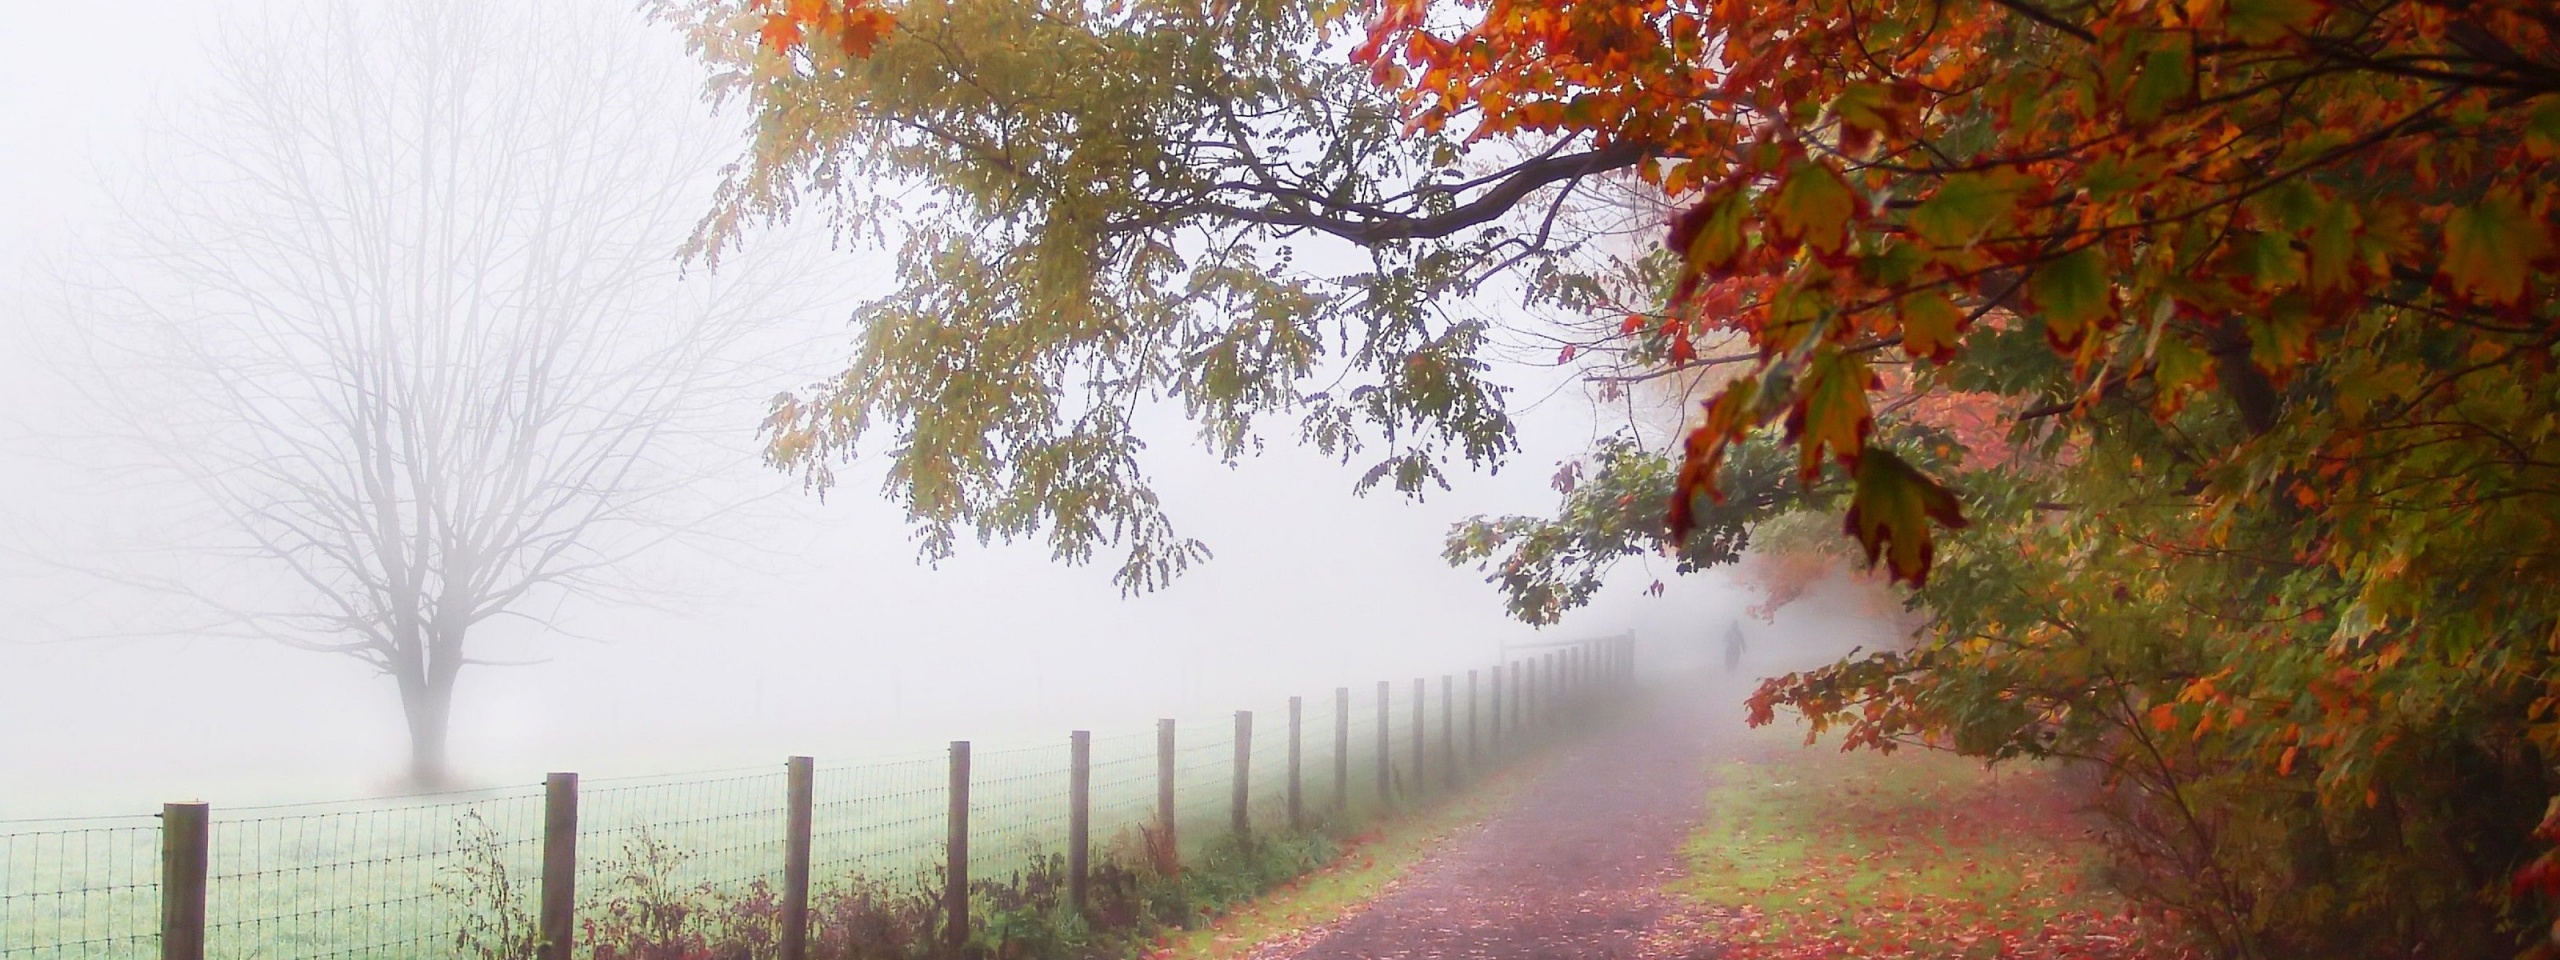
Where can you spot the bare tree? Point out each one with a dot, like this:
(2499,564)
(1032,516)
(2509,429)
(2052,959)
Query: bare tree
(397,312)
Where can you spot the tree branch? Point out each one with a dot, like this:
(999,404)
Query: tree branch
(1523,179)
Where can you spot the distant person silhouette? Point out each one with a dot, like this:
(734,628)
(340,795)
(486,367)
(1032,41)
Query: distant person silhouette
(1733,646)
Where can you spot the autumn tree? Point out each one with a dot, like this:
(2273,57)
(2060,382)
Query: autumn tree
(2264,289)
(1100,208)
(2281,272)
(391,335)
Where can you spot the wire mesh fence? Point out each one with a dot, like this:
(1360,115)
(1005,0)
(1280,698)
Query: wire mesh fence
(1267,777)
(1018,804)
(443,875)
(86,887)
(881,821)
(358,880)
(1203,767)
(1123,791)
(718,835)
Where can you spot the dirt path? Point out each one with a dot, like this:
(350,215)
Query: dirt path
(1572,869)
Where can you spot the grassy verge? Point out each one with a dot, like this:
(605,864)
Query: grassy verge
(1815,853)
(1367,864)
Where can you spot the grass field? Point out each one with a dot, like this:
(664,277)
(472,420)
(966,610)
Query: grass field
(1812,853)
(362,878)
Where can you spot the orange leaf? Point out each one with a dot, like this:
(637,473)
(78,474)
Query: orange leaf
(780,32)
(1889,513)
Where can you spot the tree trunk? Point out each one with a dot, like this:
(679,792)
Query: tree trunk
(426,699)
(428,706)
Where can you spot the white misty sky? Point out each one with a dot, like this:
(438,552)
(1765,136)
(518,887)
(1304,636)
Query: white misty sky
(828,639)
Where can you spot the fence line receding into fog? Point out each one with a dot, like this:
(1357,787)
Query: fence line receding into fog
(406,877)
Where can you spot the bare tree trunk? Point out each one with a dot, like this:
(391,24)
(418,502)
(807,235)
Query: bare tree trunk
(429,708)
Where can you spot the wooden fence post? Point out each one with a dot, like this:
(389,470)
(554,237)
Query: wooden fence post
(185,854)
(1421,747)
(1386,765)
(955,877)
(799,789)
(1493,730)
(559,864)
(1169,860)
(1449,729)
(1079,815)
(1297,813)
(1242,812)
(1474,696)
(1342,752)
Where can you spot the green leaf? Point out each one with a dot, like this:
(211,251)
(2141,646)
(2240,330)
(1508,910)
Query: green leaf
(2259,21)
(2542,129)
(1930,323)
(2166,77)
(1721,239)
(2332,243)
(1893,264)
(2280,335)
(1814,205)
(2490,248)
(2178,368)
(2269,260)
(1889,513)
(2072,291)
(1965,206)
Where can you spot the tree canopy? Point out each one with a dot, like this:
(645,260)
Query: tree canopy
(2267,287)
(1096,209)
(2247,306)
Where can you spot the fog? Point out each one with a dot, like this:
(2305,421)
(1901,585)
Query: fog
(798,626)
